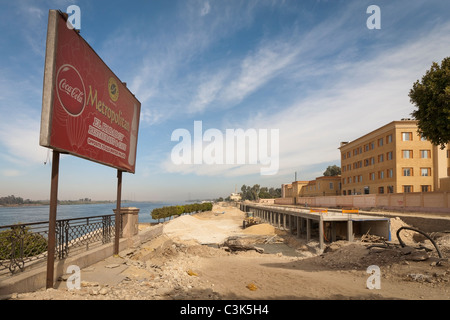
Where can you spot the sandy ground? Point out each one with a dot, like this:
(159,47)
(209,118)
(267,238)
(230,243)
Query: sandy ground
(192,261)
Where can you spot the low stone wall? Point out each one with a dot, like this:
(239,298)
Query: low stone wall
(431,202)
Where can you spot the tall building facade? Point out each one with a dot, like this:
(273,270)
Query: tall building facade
(392,159)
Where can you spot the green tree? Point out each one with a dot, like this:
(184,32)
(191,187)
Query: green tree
(245,192)
(257,192)
(275,193)
(264,193)
(332,171)
(431,96)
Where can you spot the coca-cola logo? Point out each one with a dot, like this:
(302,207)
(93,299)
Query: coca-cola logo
(70,89)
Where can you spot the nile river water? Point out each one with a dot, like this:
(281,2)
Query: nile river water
(27,214)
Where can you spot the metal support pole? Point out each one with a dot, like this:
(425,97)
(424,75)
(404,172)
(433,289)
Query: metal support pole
(118,214)
(52,220)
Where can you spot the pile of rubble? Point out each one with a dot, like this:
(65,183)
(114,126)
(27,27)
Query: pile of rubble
(168,274)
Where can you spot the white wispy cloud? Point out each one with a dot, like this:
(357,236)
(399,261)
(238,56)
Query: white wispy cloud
(172,78)
(20,139)
(258,68)
(318,80)
(206,8)
(362,96)
(11,173)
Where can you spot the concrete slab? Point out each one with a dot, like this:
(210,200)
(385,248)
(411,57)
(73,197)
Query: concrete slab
(106,272)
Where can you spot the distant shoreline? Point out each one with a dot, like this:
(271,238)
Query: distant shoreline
(62,202)
(69,202)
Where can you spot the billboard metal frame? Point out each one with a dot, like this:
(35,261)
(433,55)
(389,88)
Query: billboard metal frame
(50,94)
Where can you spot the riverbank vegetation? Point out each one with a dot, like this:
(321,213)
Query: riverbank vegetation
(168,212)
(12,201)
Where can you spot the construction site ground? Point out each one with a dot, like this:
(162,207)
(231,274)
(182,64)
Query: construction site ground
(208,256)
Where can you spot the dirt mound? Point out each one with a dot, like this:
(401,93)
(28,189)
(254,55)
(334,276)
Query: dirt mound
(406,235)
(261,229)
(205,228)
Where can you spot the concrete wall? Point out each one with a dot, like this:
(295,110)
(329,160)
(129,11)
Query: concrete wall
(266,201)
(284,201)
(445,183)
(438,202)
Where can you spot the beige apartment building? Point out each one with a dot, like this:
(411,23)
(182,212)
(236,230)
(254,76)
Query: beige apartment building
(321,186)
(393,159)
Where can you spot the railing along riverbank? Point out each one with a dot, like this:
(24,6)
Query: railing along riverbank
(25,245)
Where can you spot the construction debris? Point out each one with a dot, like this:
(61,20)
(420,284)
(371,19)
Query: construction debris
(241,244)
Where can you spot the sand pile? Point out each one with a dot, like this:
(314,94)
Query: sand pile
(204,231)
(406,235)
(261,229)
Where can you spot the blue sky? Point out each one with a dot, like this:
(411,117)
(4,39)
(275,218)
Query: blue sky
(311,69)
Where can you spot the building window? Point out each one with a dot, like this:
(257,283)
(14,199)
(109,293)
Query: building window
(422,137)
(380,142)
(380,158)
(425,188)
(381,190)
(425,172)
(372,160)
(425,154)
(390,189)
(380,174)
(390,173)
(372,145)
(389,138)
(407,189)
(406,136)
(407,172)
(372,176)
(331,186)
(389,155)
(407,154)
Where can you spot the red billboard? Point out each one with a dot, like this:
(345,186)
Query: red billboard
(86,110)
